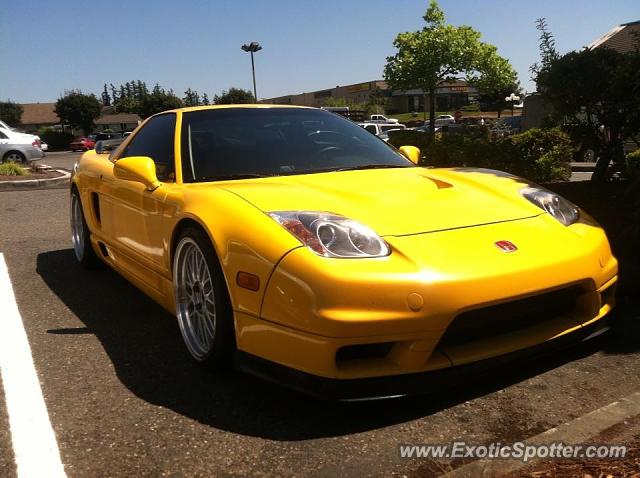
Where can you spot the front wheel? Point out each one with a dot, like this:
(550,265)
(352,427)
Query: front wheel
(80,237)
(202,302)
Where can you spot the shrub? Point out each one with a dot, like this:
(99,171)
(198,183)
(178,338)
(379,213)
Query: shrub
(633,164)
(472,107)
(56,140)
(542,155)
(407,137)
(12,169)
(538,155)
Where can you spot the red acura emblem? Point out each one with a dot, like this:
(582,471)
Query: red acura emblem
(506,246)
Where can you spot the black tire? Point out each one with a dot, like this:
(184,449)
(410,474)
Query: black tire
(16,156)
(80,235)
(218,352)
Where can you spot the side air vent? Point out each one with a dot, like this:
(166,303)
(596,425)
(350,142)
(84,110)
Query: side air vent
(95,203)
(103,249)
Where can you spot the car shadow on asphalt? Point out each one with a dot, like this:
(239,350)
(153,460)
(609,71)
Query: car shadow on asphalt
(143,342)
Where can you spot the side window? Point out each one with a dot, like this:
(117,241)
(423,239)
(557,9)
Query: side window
(155,140)
(371,129)
(3,136)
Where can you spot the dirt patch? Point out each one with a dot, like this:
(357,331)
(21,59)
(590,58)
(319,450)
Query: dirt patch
(32,176)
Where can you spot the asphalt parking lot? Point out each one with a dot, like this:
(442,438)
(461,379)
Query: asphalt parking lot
(124,398)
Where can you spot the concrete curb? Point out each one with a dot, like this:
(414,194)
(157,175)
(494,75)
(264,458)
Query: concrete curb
(36,183)
(576,431)
(583,167)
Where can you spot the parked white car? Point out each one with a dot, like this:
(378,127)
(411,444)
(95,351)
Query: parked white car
(378,129)
(10,136)
(382,119)
(442,120)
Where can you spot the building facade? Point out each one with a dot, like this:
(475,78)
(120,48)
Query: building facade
(39,115)
(356,93)
(449,96)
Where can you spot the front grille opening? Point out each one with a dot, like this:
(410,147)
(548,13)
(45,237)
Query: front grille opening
(608,295)
(508,317)
(363,351)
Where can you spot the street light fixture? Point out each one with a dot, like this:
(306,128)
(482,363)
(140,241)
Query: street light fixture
(252,48)
(512,98)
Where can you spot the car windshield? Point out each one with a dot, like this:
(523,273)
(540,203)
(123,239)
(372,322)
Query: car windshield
(237,143)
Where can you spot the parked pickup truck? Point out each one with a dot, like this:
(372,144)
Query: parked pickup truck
(379,129)
(382,119)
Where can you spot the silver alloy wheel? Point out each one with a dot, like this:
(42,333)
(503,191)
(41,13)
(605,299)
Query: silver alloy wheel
(77,227)
(15,157)
(195,299)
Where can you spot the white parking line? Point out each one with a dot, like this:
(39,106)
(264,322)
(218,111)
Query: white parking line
(34,443)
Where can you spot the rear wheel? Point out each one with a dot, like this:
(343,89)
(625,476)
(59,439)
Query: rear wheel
(15,156)
(80,236)
(203,306)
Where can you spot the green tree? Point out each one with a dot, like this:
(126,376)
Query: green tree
(114,93)
(127,105)
(78,110)
(595,92)
(158,101)
(191,98)
(106,99)
(234,96)
(11,113)
(548,52)
(437,53)
(495,79)
(205,99)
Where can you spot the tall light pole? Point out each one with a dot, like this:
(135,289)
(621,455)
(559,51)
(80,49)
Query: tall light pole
(252,48)
(512,98)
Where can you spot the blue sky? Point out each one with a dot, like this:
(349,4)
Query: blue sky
(49,46)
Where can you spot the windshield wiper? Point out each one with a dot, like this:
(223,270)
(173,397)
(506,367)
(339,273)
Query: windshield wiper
(231,177)
(369,166)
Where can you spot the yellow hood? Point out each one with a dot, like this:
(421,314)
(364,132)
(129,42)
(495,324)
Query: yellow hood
(395,201)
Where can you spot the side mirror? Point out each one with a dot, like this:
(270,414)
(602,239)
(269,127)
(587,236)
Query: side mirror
(411,153)
(137,168)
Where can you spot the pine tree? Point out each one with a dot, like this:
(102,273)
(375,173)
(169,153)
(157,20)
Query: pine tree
(106,100)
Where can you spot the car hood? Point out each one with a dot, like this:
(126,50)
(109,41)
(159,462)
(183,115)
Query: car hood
(399,201)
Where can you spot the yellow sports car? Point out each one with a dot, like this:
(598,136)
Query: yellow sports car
(295,244)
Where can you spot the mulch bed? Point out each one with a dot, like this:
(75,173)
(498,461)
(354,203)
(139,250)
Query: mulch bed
(39,175)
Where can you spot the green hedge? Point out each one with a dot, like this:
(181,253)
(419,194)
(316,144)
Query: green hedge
(541,155)
(633,164)
(56,140)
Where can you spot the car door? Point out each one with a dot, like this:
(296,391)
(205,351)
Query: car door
(135,217)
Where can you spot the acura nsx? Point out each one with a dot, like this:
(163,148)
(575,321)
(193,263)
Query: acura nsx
(293,242)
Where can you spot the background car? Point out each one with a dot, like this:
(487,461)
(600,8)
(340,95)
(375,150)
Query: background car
(19,153)
(11,136)
(82,144)
(378,129)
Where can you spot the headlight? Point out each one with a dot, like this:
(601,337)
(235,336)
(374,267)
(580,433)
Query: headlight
(564,211)
(330,235)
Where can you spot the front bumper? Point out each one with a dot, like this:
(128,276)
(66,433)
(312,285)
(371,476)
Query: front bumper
(413,383)
(384,317)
